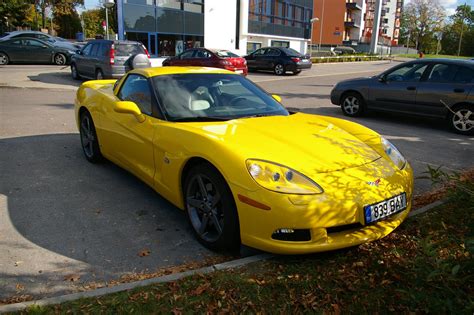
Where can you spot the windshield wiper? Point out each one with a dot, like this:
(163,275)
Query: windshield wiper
(200,118)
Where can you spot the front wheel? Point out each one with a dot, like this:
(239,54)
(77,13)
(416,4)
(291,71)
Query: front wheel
(211,209)
(352,104)
(89,140)
(461,120)
(4,59)
(279,69)
(75,75)
(99,75)
(60,59)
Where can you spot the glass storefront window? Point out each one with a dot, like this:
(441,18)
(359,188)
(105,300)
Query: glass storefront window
(280,43)
(193,23)
(138,37)
(139,18)
(196,6)
(169,21)
(170,45)
(193,42)
(251,47)
(173,4)
(143,2)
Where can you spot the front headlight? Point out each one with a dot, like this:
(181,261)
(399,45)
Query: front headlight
(282,179)
(391,150)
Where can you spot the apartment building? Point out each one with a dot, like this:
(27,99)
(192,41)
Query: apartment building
(350,22)
(168,27)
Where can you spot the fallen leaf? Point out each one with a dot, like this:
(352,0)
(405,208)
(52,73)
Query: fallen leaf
(145,252)
(20,287)
(17,263)
(72,278)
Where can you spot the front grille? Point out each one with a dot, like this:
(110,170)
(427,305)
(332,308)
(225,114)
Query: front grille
(302,235)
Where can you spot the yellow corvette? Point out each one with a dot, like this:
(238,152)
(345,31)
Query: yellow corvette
(243,168)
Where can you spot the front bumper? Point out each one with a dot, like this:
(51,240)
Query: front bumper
(334,219)
(336,96)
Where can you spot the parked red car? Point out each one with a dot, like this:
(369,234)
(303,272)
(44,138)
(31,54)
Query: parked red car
(203,57)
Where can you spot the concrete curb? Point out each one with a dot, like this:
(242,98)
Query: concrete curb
(132,285)
(163,279)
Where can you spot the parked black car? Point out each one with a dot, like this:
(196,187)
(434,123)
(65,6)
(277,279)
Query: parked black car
(101,59)
(32,50)
(442,88)
(278,59)
(52,40)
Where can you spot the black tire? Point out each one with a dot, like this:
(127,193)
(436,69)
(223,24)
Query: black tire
(4,60)
(209,201)
(462,120)
(279,69)
(75,75)
(99,75)
(89,140)
(352,104)
(60,59)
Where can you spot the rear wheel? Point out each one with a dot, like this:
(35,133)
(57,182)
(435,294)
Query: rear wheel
(99,75)
(75,75)
(4,60)
(60,59)
(462,119)
(352,104)
(279,69)
(210,208)
(89,140)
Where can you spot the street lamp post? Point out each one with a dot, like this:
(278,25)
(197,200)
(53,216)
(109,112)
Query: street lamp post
(313,20)
(107,4)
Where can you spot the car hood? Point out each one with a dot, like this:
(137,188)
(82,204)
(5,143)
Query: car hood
(304,142)
(357,81)
(65,45)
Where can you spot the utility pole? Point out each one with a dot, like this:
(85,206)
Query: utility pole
(462,28)
(375,28)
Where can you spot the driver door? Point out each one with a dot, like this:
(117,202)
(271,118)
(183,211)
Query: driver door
(128,141)
(36,51)
(397,89)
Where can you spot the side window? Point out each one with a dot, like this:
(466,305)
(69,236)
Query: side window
(442,73)
(136,88)
(95,49)
(87,50)
(188,54)
(464,75)
(202,54)
(409,73)
(32,43)
(104,50)
(259,52)
(272,52)
(16,42)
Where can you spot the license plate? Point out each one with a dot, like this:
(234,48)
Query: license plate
(386,208)
(239,71)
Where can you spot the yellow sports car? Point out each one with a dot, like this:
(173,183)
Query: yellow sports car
(243,168)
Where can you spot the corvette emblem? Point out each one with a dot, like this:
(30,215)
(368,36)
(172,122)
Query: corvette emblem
(375,183)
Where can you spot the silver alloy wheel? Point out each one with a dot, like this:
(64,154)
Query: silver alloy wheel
(3,59)
(203,206)
(463,120)
(60,59)
(351,105)
(87,136)
(279,69)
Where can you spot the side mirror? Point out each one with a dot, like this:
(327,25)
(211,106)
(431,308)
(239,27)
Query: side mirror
(126,107)
(79,52)
(382,79)
(277,98)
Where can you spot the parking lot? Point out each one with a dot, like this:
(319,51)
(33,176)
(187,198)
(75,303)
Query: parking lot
(65,222)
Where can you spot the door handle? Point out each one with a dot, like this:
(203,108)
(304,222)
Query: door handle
(411,88)
(458,90)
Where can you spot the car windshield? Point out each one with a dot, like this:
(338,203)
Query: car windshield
(193,97)
(226,54)
(290,52)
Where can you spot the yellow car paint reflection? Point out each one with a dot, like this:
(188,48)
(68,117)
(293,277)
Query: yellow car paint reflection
(342,157)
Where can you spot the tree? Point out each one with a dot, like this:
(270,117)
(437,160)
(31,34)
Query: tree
(422,19)
(92,22)
(13,13)
(460,22)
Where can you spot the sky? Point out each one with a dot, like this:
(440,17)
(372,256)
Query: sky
(450,5)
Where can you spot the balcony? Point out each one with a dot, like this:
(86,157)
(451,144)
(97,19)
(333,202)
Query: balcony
(351,23)
(353,6)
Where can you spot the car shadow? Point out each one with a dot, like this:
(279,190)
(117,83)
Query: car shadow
(57,78)
(61,215)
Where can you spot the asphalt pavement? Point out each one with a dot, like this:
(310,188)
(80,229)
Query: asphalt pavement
(63,219)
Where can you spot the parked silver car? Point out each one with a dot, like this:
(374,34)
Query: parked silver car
(101,59)
(442,88)
(52,40)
